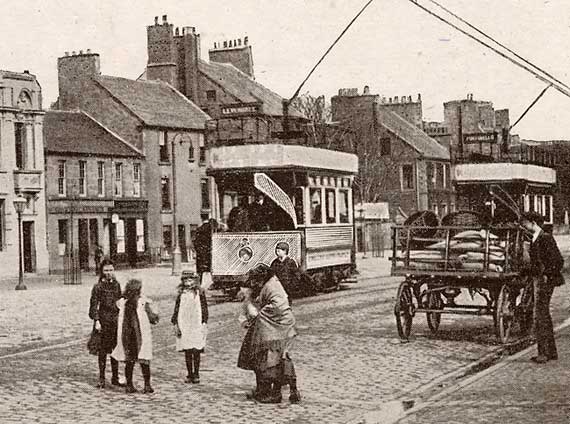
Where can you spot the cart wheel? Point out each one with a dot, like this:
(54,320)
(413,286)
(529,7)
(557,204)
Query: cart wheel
(525,309)
(434,301)
(504,314)
(404,310)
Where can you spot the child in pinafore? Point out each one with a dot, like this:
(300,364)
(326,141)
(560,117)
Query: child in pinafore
(190,320)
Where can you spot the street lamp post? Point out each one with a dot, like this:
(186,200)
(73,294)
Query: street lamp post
(363,232)
(20,204)
(176,254)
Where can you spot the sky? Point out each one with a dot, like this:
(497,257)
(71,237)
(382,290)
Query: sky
(394,47)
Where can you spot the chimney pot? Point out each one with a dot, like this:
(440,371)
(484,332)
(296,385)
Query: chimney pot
(390,100)
(395,99)
(164,19)
(225,44)
(410,99)
(419,98)
(366,90)
(88,51)
(26,71)
(245,40)
(67,53)
(80,52)
(177,31)
(235,43)
(239,41)
(73,53)
(156,20)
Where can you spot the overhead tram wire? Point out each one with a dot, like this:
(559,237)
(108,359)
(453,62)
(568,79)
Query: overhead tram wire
(556,85)
(530,106)
(329,49)
(484,34)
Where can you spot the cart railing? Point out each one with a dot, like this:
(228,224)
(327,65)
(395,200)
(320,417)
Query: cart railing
(492,250)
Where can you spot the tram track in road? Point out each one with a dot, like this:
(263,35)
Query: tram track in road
(352,291)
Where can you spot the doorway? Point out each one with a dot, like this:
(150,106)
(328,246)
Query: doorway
(182,243)
(83,244)
(29,246)
(131,241)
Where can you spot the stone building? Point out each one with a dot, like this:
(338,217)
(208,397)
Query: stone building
(476,130)
(22,173)
(96,192)
(157,120)
(399,163)
(243,111)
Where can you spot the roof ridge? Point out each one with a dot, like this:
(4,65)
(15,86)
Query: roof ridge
(111,132)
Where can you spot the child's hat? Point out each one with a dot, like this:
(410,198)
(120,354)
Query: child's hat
(188,275)
(282,246)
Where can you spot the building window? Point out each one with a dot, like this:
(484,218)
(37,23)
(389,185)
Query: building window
(100,179)
(443,209)
(136,179)
(119,179)
(61,171)
(2,224)
(191,153)
(343,206)
(330,199)
(120,234)
(62,236)
(140,235)
(20,140)
(385,146)
(82,178)
(205,191)
(316,207)
(165,192)
(211,95)
(163,145)
(430,174)
(167,239)
(407,177)
(202,152)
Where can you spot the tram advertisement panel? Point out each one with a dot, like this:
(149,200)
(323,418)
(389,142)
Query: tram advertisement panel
(237,253)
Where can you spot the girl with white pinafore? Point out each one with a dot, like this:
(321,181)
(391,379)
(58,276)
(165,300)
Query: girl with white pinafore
(190,319)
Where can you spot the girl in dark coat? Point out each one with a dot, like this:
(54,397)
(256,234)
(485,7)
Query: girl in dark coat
(104,311)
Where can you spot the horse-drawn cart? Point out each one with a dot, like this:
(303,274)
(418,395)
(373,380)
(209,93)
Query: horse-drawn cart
(441,262)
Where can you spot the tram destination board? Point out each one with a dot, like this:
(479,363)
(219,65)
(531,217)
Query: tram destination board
(476,138)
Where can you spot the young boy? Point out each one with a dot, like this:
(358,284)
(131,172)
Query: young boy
(286,269)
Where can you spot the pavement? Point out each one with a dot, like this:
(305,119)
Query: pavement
(516,390)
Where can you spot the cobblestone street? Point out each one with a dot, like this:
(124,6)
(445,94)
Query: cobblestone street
(349,359)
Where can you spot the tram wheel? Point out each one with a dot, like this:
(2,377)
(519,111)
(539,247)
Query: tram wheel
(504,314)
(434,301)
(404,310)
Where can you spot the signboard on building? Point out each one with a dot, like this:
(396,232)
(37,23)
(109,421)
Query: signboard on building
(477,138)
(232,110)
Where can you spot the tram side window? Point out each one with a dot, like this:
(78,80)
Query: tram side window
(343,206)
(298,204)
(330,204)
(316,216)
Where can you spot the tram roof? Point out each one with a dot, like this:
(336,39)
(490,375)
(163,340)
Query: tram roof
(252,157)
(503,172)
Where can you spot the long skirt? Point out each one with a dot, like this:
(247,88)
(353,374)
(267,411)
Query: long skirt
(108,334)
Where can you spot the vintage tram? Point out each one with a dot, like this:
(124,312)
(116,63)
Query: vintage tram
(307,203)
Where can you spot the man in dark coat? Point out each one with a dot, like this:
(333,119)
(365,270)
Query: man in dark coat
(203,246)
(259,214)
(238,219)
(546,268)
(286,269)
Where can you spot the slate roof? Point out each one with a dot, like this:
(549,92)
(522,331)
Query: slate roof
(412,135)
(156,103)
(77,133)
(245,89)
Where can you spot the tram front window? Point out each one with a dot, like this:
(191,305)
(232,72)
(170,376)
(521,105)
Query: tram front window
(343,206)
(330,203)
(316,208)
